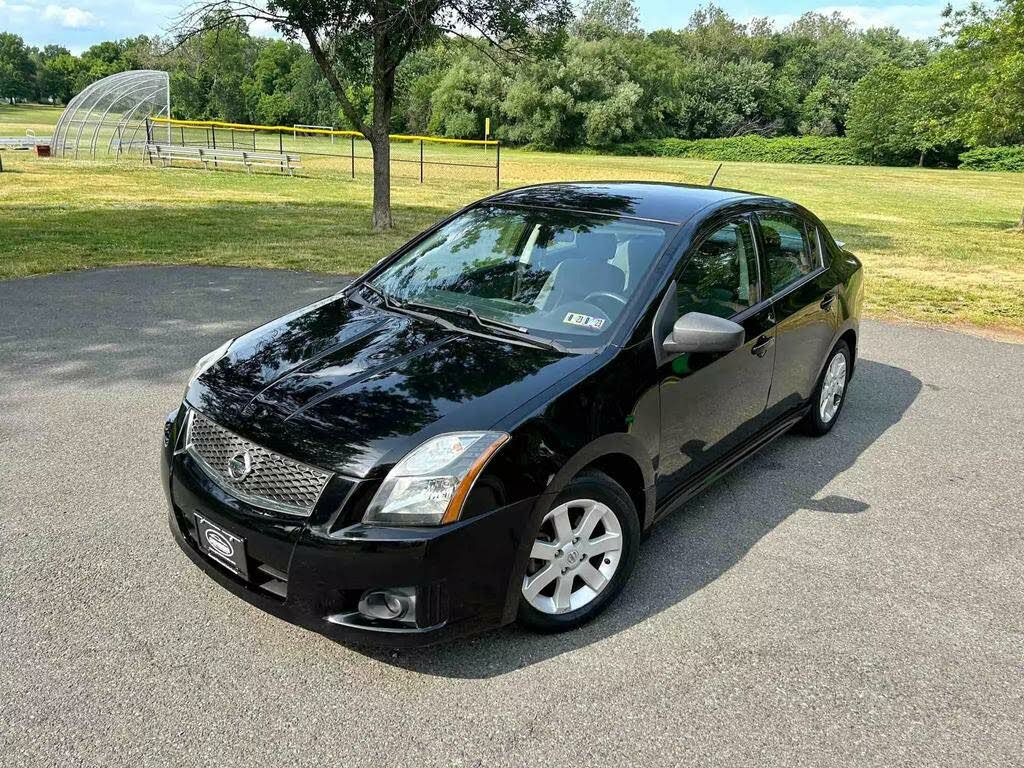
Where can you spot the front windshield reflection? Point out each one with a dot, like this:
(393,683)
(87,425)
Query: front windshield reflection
(554,273)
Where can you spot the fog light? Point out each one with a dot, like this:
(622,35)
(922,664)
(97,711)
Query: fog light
(389,604)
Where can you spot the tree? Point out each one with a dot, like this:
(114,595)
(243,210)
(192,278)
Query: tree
(17,69)
(58,76)
(603,18)
(896,113)
(269,85)
(469,92)
(988,56)
(881,119)
(363,42)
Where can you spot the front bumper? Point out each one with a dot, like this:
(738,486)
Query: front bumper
(312,572)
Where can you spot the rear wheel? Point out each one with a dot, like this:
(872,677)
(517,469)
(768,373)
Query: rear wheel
(830,394)
(581,556)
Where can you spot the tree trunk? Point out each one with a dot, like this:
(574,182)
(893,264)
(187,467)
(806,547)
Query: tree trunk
(920,159)
(380,141)
(381,146)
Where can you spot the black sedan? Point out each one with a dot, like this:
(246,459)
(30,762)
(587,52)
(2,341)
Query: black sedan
(480,428)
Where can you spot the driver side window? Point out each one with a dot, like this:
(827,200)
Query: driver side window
(720,277)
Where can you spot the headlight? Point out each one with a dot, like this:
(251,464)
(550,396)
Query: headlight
(430,485)
(206,362)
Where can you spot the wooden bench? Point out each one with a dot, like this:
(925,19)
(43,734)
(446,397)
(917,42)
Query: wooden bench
(166,154)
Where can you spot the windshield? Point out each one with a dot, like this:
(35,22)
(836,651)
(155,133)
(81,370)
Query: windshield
(563,275)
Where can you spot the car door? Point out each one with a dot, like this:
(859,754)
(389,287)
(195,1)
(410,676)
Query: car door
(803,293)
(711,402)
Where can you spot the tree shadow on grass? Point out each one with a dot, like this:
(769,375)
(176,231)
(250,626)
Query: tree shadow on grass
(316,237)
(693,547)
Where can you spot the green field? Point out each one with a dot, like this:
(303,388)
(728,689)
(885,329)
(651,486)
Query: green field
(938,246)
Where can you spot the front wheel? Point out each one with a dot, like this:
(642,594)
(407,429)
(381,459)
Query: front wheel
(830,394)
(581,556)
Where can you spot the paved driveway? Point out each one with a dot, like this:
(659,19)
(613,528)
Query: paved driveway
(856,600)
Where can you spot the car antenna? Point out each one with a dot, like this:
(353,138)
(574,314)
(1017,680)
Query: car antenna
(715,175)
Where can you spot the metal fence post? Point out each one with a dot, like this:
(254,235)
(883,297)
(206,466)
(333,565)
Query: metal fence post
(280,141)
(497,165)
(421,161)
(213,135)
(183,135)
(353,157)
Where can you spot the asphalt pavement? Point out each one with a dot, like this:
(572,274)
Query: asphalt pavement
(852,600)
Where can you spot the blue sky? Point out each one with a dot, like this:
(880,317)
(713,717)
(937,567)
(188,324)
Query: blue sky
(77,24)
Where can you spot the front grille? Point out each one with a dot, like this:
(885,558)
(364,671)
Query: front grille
(272,481)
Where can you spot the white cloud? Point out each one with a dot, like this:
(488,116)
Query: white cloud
(14,7)
(914,21)
(70,17)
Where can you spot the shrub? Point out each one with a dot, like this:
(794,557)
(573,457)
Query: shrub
(993,159)
(751,149)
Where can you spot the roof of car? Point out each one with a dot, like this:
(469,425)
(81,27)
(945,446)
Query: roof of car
(660,201)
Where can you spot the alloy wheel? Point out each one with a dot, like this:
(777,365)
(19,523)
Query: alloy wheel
(832,388)
(574,557)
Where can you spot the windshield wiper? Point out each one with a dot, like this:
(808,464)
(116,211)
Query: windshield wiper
(496,327)
(489,323)
(409,308)
(388,301)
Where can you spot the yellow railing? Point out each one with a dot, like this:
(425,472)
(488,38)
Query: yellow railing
(295,134)
(314,131)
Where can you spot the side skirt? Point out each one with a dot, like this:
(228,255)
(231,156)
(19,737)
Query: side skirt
(728,462)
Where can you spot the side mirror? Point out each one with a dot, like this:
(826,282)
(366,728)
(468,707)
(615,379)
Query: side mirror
(698,332)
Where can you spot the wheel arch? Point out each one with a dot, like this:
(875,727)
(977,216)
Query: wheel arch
(623,458)
(850,337)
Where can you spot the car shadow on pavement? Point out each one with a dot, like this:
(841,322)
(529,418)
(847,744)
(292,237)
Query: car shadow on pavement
(695,545)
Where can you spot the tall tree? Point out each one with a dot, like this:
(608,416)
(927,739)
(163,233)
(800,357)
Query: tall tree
(17,69)
(357,42)
(988,55)
(601,18)
(58,76)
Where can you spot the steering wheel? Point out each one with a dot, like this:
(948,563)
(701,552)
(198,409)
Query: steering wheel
(615,298)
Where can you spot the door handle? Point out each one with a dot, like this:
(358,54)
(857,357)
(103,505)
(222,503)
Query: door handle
(826,303)
(761,347)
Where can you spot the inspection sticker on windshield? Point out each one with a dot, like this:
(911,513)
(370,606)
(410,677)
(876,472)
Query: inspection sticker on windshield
(574,318)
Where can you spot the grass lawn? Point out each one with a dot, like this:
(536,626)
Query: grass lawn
(937,245)
(16,120)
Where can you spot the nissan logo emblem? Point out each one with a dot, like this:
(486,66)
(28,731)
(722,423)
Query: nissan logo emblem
(219,544)
(239,466)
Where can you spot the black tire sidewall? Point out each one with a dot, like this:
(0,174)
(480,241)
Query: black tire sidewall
(599,487)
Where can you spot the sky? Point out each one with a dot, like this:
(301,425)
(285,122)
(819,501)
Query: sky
(77,24)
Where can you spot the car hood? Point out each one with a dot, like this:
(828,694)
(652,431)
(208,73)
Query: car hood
(353,388)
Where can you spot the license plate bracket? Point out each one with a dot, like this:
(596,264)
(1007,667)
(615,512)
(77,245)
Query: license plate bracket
(222,546)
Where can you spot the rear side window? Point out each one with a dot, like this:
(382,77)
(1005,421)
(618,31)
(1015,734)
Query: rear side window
(791,255)
(720,277)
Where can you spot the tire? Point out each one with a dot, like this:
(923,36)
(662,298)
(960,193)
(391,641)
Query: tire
(595,501)
(830,394)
